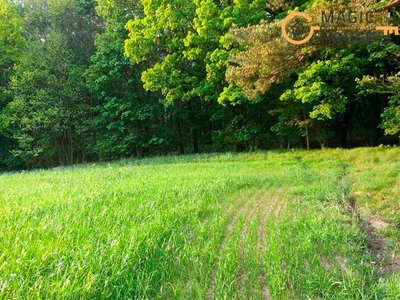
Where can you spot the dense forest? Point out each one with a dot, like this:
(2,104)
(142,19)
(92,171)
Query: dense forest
(87,80)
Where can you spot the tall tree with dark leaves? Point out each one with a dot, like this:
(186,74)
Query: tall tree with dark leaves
(185,48)
(127,119)
(323,97)
(45,113)
(11,47)
(50,110)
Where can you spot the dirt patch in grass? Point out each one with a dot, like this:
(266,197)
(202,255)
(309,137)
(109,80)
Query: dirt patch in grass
(342,264)
(387,260)
(377,223)
(325,263)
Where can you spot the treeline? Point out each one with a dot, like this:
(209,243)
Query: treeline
(83,80)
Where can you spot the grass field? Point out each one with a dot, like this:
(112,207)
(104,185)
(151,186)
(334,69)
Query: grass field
(264,225)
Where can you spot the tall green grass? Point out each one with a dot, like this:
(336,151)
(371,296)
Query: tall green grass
(161,228)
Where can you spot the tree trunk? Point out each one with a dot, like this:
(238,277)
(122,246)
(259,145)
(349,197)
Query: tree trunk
(195,142)
(307,138)
(193,129)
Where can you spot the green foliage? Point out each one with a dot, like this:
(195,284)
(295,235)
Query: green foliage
(391,116)
(127,120)
(47,109)
(10,37)
(11,48)
(319,97)
(326,86)
(187,60)
(177,76)
(48,101)
(385,84)
(324,97)
(191,45)
(390,85)
(232,95)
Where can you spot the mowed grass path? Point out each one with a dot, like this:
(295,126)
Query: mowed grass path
(252,226)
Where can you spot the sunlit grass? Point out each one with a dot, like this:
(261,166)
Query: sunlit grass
(161,228)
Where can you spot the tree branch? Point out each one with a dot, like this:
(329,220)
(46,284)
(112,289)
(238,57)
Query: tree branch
(388,6)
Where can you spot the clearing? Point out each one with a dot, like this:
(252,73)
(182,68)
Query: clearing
(263,225)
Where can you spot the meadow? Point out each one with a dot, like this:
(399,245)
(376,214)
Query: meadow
(263,225)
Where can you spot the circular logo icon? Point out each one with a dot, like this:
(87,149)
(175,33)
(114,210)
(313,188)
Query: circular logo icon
(298,29)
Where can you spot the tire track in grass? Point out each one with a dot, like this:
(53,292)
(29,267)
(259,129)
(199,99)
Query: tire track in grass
(261,240)
(243,234)
(245,203)
(281,206)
